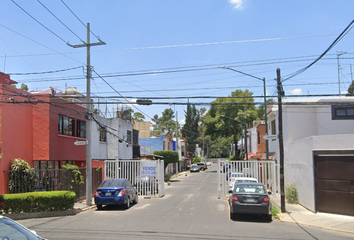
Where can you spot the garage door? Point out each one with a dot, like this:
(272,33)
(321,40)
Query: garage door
(335,184)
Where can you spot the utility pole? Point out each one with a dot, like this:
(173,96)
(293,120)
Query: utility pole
(281,144)
(179,168)
(88,115)
(338,55)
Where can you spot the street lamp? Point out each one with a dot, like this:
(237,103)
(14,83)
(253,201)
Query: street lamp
(265,103)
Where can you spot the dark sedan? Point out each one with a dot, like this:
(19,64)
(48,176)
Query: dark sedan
(116,192)
(250,198)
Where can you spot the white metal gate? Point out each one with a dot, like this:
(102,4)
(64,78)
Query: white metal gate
(148,176)
(264,171)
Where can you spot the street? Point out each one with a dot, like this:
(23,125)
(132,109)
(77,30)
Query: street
(189,210)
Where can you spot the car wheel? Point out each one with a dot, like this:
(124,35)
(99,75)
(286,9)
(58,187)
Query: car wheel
(232,216)
(136,198)
(269,218)
(99,206)
(127,205)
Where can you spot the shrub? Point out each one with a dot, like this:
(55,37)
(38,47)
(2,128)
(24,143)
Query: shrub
(23,178)
(234,158)
(291,194)
(168,156)
(167,177)
(196,159)
(76,178)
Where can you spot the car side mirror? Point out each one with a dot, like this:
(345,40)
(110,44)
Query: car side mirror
(230,191)
(269,193)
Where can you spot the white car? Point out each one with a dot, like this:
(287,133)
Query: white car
(233,180)
(10,229)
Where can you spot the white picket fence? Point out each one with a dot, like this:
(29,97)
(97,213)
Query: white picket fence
(147,175)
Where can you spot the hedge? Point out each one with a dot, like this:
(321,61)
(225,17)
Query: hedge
(37,202)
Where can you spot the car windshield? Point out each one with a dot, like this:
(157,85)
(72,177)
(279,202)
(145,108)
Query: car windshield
(194,166)
(112,183)
(244,188)
(11,230)
(245,180)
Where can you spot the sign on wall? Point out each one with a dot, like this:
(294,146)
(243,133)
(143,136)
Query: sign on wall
(148,168)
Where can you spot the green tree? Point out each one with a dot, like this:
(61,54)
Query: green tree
(190,129)
(227,120)
(168,156)
(24,87)
(138,116)
(164,123)
(196,159)
(351,90)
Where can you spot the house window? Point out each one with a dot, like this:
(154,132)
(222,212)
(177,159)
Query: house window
(258,137)
(342,112)
(129,136)
(81,129)
(66,125)
(103,134)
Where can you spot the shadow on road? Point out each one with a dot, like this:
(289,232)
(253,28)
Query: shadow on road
(251,218)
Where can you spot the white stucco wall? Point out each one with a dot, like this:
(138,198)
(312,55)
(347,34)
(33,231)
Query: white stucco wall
(98,148)
(299,162)
(112,148)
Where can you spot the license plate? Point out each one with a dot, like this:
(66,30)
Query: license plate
(108,194)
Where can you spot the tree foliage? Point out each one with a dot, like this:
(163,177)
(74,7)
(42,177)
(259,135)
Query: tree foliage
(351,89)
(190,129)
(168,156)
(164,123)
(76,177)
(23,178)
(228,121)
(24,87)
(138,117)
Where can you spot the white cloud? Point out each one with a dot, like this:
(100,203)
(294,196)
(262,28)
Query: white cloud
(296,91)
(344,92)
(182,121)
(238,4)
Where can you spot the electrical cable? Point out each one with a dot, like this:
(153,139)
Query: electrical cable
(54,71)
(80,20)
(39,22)
(61,22)
(345,31)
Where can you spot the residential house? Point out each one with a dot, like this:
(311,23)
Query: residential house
(159,143)
(318,141)
(40,128)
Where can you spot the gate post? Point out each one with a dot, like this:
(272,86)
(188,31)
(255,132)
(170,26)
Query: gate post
(218,180)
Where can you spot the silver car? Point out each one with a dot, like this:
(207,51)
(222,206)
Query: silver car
(250,198)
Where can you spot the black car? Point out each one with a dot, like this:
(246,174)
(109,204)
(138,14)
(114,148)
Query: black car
(250,198)
(116,192)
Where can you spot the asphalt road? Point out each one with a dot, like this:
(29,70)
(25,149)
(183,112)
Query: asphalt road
(189,210)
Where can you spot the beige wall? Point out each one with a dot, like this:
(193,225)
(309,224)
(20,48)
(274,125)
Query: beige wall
(144,129)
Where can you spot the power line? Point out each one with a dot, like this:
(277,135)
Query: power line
(39,22)
(54,71)
(345,32)
(79,19)
(60,21)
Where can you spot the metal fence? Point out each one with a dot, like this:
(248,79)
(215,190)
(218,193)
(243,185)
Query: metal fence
(52,180)
(147,176)
(264,171)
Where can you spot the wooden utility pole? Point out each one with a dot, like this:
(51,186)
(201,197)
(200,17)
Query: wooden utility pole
(88,115)
(281,144)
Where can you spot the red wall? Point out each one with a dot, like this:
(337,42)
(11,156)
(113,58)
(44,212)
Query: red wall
(30,131)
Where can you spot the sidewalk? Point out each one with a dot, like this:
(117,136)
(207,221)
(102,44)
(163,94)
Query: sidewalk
(299,215)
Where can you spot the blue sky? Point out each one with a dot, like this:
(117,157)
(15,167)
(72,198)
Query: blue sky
(252,36)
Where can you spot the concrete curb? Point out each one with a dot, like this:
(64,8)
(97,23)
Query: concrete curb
(309,225)
(19,216)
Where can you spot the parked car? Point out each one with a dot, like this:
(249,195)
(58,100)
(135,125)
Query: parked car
(10,229)
(250,198)
(194,168)
(116,192)
(202,166)
(147,185)
(233,180)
